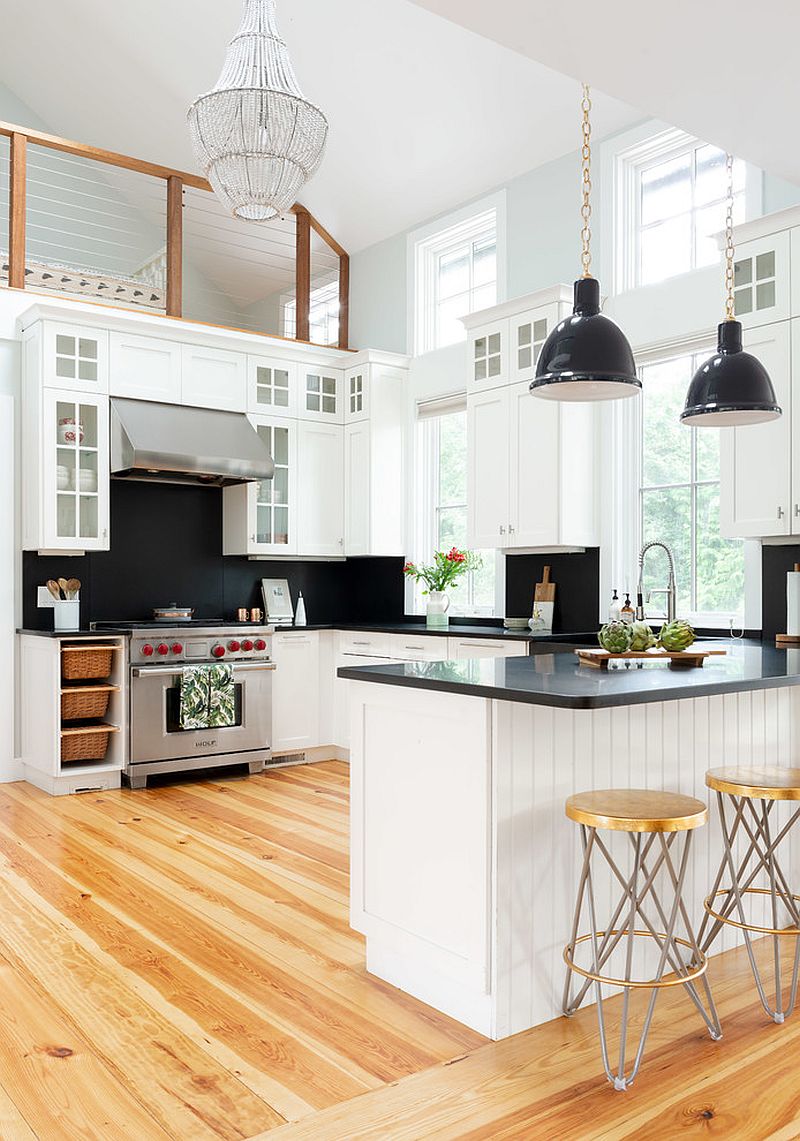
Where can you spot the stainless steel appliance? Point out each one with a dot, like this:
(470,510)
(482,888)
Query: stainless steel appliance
(158,654)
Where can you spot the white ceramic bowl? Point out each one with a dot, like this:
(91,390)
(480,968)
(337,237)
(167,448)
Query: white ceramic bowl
(70,431)
(87,479)
(62,477)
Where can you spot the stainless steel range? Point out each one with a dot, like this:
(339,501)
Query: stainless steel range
(160,741)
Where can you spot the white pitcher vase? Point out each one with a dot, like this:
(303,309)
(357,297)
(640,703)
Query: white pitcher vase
(436,612)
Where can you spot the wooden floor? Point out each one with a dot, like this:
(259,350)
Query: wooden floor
(177,964)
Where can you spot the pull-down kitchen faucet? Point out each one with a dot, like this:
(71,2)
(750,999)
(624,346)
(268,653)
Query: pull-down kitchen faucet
(669,590)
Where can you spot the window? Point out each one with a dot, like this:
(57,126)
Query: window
(323,315)
(441,510)
(679,500)
(671,195)
(457,269)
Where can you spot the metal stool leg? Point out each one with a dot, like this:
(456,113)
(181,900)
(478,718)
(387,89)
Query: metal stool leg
(762,854)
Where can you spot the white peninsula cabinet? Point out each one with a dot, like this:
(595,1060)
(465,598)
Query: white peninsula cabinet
(760,464)
(530,464)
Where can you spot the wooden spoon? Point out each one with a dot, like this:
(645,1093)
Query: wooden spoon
(73,587)
(53,587)
(62,582)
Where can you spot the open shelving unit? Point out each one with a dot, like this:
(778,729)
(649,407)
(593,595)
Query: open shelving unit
(74,712)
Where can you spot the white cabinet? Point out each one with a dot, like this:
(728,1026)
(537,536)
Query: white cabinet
(529,331)
(271,386)
(414,647)
(374,467)
(488,468)
(214,378)
(756,472)
(320,393)
(261,518)
(461,648)
(145,368)
(65,449)
(320,501)
(74,357)
(296,691)
(762,280)
(529,471)
(488,356)
(356,394)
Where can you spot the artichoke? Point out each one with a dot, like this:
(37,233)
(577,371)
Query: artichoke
(615,637)
(643,637)
(676,636)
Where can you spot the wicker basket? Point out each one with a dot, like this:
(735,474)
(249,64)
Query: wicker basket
(82,662)
(85,744)
(82,703)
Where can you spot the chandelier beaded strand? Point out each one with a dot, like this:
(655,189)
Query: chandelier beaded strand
(256,137)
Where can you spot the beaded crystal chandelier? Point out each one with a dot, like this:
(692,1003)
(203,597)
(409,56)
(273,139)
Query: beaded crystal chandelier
(255,136)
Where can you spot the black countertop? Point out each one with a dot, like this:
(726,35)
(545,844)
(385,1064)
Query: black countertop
(462,630)
(557,679)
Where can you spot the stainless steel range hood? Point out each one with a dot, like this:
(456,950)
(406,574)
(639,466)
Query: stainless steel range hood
(173,444)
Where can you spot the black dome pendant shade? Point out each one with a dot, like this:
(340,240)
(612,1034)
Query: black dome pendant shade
(732,387)
(586,356)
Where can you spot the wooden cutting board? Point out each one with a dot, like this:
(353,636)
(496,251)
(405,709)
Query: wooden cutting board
(545,590)
(599,659)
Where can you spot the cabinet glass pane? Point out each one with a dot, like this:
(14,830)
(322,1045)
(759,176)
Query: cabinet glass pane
(743,299)
(66,465)
(765,265)
(524,357)
(87,370)
(312,402)
(329,385)
(280,485)
(66,507)
(88,514)
(69,429)
(765,295)
(743,272)
(87,471)
(281,446)
(264,524)
(281,522)
(88,425)
(65,345)
(312,383)
(494,343)
(494,366)
(329,404)
(87,349)
(524,333)
(65,367)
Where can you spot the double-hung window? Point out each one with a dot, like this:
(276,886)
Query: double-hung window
(457,269)
(679,499)
(440,515)
(670,194)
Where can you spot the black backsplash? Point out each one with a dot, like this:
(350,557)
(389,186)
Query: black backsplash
(167,547)
(775,562)
(577,579)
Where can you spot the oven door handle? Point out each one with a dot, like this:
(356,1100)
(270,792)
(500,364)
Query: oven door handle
(155,671)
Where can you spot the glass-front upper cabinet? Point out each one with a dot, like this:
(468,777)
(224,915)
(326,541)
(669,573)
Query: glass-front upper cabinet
(761,280)
(271,386)
(488,356)
(356,394)
(74,357)
(75,472)
(529,331)
(321,394)
(273,502)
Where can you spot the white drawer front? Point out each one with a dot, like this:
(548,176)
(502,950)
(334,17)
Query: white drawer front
(419,648)
(461,648)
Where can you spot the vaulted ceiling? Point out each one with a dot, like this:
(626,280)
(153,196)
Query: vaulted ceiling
(424,113)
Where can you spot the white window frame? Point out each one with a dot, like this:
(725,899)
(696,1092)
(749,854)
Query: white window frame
(621,160)
(424,529)
(621,487)
(428,243)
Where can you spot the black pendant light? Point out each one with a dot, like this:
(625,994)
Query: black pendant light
(731,387)
(586,356)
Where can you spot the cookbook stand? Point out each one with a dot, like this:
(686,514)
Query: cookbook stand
(277,602)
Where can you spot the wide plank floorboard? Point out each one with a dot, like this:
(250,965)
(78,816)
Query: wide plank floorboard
(178,963)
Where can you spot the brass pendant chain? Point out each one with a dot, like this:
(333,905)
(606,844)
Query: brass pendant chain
(586,166)
(730,309)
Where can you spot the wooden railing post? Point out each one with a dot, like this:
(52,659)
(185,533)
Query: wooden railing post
(303,274)
(344,301)
(16,211)
(174,246)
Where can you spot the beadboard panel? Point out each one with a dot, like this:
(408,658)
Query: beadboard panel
(542,755)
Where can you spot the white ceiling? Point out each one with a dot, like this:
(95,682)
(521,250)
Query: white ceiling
(424,114)
(723,70)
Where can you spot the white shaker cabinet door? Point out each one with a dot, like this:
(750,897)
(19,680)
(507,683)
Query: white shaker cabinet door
(295,699)
(214,378)
(145,368)
(755,460)
(320,508)
(357,489)
(535,470)
(488,468)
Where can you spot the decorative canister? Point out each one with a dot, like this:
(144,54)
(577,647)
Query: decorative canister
(70,431)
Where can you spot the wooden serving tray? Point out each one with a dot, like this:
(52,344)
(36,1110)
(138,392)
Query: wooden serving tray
(599,659)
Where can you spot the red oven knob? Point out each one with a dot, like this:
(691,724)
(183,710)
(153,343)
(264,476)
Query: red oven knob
(218,651)
(247,644)
(177,648)
(233,646)
(162,648)
(147,650)
(260,644)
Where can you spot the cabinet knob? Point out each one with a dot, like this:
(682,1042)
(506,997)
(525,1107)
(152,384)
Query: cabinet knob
(510,529)
(341,542)
(796,510)
(781,513)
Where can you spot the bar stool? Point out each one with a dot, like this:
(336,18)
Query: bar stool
(753,794)
(653,821)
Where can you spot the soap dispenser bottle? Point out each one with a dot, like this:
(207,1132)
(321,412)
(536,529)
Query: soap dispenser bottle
(627,613)
(615,608)
(300,611)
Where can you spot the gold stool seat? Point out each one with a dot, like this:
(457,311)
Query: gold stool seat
(748,800)
(759,784)
(636,810)
(659,828)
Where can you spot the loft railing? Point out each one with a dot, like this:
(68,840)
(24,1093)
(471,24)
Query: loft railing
(44,205)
